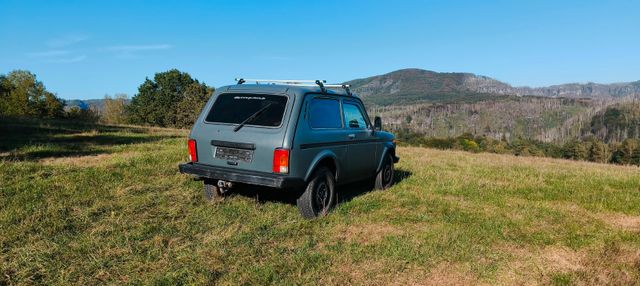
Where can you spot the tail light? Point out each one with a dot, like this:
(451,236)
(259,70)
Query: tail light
(281,161)
(193,153)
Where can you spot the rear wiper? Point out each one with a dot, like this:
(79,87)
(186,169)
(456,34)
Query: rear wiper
(252,117)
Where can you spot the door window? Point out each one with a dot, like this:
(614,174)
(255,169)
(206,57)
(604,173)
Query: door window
(325,113)
(353,116)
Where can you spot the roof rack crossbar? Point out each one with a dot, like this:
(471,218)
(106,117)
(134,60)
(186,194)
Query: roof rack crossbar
(285,81)
(298,82)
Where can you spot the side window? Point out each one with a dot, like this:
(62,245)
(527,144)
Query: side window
(353,116)
(325,113)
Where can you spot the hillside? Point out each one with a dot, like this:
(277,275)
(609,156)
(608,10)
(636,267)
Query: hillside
(616,123)
(451,104)
(544,119)
(408,86)
(415,85)
(92,204)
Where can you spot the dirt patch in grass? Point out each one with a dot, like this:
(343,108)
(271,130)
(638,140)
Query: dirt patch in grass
(528,265)
(611,264)
(367,233)
(614,264)
(614,220)
(448,274)
(561,258)
(625,222)
(379,272)
(87,161)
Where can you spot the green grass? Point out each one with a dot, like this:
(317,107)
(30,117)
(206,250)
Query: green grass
(87,204)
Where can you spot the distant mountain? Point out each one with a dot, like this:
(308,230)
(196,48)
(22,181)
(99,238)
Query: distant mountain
(588,90)
(415,85)
(408,86)
(96,104)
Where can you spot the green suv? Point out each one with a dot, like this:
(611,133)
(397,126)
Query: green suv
(289,135)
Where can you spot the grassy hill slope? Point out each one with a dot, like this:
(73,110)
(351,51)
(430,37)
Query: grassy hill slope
(84,204)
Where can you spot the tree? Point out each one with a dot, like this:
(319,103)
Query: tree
(576,150)
(188,109)
(624,152)
(21,94)
(157,100)
(635,156)
(599,152)
(114,109)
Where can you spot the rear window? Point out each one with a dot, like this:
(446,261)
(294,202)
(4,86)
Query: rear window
(235,108)
(325,113)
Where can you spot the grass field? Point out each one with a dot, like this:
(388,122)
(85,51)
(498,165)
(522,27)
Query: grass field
(86,204)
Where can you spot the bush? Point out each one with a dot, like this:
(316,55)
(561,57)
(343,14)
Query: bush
(114,109)
(84,115)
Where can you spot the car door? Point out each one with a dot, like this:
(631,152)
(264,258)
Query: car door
(361,143)
(320,129)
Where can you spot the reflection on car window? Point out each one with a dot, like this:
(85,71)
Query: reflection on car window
(353,116)
(325,113)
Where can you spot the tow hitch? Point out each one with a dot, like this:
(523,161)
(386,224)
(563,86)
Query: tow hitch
(224,186)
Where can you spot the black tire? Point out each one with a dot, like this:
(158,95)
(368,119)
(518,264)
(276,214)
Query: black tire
(319,196)
(212,192)
(384,178)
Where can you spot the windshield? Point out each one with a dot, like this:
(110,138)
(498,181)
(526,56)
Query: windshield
(235,108)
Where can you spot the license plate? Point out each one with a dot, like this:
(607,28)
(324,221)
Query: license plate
(233,154)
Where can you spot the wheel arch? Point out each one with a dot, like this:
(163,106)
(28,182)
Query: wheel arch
(388,149)
(324,158)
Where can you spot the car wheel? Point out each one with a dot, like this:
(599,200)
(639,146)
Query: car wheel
(319,196)
(212,192)
(384,178)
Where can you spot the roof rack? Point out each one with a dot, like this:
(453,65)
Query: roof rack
(297,82)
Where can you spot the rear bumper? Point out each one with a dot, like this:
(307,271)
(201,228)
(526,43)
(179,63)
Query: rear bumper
(396,159)
(241,176)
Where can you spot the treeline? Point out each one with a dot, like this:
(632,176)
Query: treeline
(22,95)
(590,148)
(171,99)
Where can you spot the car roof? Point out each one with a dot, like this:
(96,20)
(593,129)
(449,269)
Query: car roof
(283,88)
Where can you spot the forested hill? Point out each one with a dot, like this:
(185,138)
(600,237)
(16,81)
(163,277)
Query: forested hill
(616,123)
(408,86)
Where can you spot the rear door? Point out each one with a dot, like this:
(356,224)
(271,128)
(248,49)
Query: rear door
(221,143)
(320,128)
(361,147)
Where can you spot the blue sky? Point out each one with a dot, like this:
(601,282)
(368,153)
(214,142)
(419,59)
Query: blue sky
(86,49)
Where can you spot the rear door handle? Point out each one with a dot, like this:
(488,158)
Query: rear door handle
(351,136)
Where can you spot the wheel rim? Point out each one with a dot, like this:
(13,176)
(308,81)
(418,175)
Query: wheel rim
(322,197)
(387,173)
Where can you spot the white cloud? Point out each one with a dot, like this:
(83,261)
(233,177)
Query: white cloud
(48,54)
(66,41)
(139,48)
(131,51)
(57,56)
(67,60)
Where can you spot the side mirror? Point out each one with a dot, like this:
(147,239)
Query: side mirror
(377,123)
